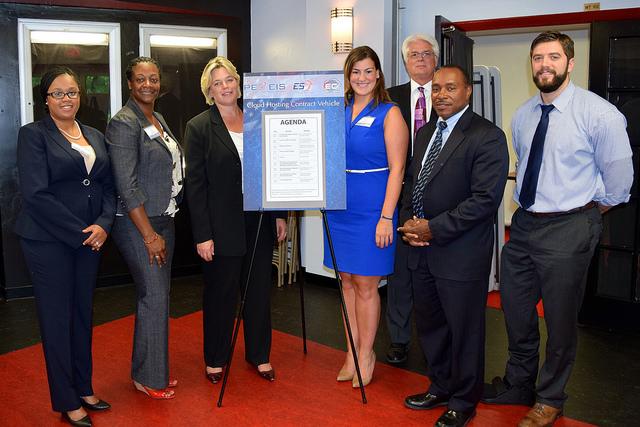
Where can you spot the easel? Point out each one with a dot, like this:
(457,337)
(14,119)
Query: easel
(236,328)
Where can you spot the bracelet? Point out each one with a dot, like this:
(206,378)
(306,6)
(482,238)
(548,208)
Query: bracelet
(386,217)
(153,239)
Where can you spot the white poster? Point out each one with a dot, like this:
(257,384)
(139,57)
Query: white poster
(293,161)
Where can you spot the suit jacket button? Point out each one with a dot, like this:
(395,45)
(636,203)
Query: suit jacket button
(86,182)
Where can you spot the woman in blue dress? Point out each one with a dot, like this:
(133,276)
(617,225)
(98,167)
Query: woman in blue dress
(376,147)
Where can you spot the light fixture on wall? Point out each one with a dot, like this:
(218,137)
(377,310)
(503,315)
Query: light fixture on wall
(341,29)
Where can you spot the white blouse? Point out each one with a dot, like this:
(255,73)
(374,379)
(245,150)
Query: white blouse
(87,153)
(176,182)
(238,140)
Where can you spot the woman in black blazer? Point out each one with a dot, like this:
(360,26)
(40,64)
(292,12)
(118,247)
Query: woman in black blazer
(223,232)
(68,208)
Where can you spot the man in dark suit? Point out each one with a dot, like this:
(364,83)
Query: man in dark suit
(452,192)
(420,53)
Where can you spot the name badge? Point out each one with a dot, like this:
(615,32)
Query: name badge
(366,121)
(152,131)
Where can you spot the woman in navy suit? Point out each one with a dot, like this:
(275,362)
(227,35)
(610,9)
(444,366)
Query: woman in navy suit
(68,208)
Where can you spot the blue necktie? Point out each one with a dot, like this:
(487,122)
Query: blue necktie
(418,190)
(530,180)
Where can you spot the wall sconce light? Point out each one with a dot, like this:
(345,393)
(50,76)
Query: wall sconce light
(341,30)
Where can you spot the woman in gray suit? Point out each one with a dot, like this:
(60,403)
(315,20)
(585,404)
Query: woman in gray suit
(148,170)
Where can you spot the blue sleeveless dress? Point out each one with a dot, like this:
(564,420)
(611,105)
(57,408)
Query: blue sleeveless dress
(353,231)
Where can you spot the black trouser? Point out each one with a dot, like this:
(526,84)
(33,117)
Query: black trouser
(546,258)
(450,319)
(400,296)
(224,278)
(63,282)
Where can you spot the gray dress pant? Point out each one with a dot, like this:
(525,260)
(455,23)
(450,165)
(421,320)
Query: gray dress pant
(150,359)
(548,258)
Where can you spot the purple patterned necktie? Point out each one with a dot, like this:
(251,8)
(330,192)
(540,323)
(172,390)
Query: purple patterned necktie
(420,116)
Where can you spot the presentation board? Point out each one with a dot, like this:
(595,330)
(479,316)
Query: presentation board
(294,141)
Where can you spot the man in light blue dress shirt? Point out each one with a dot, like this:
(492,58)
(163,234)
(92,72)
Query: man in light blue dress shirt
(566,178)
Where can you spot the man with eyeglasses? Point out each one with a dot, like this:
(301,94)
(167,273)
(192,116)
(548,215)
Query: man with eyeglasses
(420,53)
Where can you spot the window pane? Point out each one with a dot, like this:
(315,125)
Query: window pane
(91,64)
(624,63)
(181,97)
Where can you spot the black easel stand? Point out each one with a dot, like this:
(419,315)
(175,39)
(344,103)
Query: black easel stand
(240,311)
(304,323)
(344,306)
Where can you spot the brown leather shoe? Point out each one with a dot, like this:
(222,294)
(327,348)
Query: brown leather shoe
(540,415)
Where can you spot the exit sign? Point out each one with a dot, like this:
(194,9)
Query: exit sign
(589,7)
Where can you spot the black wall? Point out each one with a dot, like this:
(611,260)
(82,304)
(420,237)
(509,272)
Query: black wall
(232,15)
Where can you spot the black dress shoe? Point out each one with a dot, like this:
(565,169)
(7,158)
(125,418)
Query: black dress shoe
(500,392)
(100,405)
(397,353)
(82,422)
(425,401)
(269,375)
(453,418)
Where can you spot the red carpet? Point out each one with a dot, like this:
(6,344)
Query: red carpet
(305,392)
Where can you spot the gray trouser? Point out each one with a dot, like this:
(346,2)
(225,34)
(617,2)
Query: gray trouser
(546,258)
(150,359)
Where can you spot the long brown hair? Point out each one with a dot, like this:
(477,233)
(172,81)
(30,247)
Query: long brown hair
(380,94)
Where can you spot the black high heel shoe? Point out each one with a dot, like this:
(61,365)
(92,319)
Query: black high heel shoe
(214,377)
(100,405)
(269,375)
(82,422)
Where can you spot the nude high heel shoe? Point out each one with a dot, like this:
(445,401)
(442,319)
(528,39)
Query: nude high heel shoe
(367,375)
(346,374)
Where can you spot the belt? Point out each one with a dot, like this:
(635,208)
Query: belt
(589,205)
(366,170)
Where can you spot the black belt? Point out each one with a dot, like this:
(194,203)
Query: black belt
(589,205)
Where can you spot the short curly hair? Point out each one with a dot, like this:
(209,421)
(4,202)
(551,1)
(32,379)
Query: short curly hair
(140,60)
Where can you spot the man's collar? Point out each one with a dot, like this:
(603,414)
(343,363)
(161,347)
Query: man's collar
(451,121)
(561,101)
(415,85)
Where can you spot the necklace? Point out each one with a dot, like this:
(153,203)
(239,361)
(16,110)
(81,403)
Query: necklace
(75,138)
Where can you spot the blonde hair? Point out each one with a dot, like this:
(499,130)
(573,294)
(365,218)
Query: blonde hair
(205,79)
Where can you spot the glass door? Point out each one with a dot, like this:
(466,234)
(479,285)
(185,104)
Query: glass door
(182,53)
(91,49)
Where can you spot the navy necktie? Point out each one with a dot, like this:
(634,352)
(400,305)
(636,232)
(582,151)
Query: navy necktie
(530,180)
(418,190)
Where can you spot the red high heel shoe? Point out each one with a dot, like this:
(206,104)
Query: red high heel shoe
(172,383)
(153,393)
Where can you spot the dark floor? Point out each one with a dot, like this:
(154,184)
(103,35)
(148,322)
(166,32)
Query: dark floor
(604,388)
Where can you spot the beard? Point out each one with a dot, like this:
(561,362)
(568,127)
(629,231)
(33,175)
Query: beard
(554,84)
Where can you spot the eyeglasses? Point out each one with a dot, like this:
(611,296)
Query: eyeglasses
(72,94)
(423,55)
